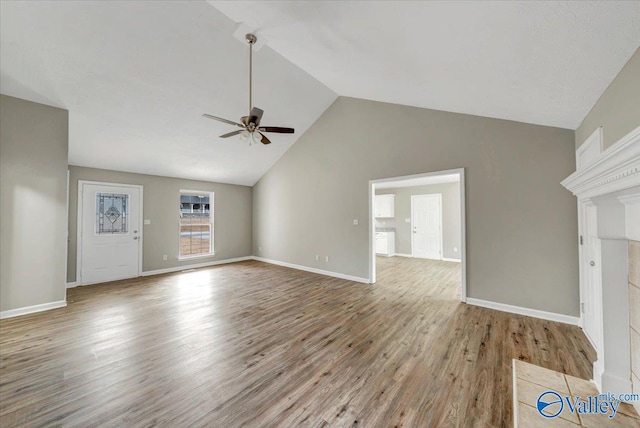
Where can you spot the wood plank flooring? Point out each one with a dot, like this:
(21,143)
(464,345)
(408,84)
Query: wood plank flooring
(256,345)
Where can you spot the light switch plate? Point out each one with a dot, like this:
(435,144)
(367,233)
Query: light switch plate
(147,221)
(355,221)
(407,220)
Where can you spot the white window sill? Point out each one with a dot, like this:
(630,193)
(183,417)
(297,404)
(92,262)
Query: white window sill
(198,256)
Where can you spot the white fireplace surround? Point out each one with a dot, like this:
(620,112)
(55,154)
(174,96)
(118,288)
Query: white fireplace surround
(611,182)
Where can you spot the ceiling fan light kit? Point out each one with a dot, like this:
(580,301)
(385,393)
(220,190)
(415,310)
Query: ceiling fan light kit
(250,125)
(251,137)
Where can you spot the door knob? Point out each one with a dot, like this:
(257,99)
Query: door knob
(592,263)
(135,237)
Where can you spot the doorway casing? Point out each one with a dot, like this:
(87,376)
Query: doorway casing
(81,184)
(372,222)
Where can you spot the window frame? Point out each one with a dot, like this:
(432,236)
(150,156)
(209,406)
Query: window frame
(211,223)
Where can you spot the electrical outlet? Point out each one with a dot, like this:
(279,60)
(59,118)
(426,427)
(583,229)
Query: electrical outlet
(326,259)
(355,221)
(455,249)
(147,221)
(407,220)
(317,257)
(260,248)
(165,257)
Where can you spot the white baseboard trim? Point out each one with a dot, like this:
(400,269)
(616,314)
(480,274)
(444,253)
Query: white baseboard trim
(72,284)
(598,369)
(403,255)
(195,266)
(313,270)
(535,313)
(32,309)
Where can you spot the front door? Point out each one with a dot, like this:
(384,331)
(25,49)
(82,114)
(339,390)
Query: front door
(426,225)
(110,234)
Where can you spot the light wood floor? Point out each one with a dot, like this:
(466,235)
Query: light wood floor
(251,344)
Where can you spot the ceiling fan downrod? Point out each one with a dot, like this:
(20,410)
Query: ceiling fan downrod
(251,39)
(250,124)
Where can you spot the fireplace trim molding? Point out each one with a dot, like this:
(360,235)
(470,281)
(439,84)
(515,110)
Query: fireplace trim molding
(611,182)
(615,169)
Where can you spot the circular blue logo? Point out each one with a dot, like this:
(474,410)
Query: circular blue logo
(550,404)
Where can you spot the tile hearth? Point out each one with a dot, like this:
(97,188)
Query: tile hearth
(530,381)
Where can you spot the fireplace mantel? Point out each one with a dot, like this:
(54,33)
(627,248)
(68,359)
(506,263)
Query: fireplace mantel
(615,169)
(610,185)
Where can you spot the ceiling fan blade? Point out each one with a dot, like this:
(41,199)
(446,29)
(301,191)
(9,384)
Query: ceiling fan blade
(255,116)
(264,140)
(231,134)
(277,129)
(219,119)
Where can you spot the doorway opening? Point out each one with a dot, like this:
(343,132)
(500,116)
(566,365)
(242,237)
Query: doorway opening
(417,224)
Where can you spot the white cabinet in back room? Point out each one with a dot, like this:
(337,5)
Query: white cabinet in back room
(386,243)
(385,206)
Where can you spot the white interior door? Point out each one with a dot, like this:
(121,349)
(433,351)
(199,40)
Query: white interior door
(110,234)
(426,226)
(591,275)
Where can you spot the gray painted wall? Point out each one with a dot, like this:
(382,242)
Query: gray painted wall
(450,216)
(521,223)
(618,109)
(232,218)
(33,203)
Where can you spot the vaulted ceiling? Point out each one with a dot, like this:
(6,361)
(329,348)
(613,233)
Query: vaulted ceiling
(136,76)
(538,62)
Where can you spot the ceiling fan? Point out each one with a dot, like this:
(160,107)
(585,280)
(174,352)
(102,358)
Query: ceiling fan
(250,125)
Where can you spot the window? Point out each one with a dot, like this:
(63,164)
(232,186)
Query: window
(196,223)
(112,214)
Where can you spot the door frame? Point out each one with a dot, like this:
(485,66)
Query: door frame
(439,197)
(463,222)
(581,255)
(583,230)
(79,221)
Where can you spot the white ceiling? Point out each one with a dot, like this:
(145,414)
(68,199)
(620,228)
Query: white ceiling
(137,76)
(419,181)
(537,62)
